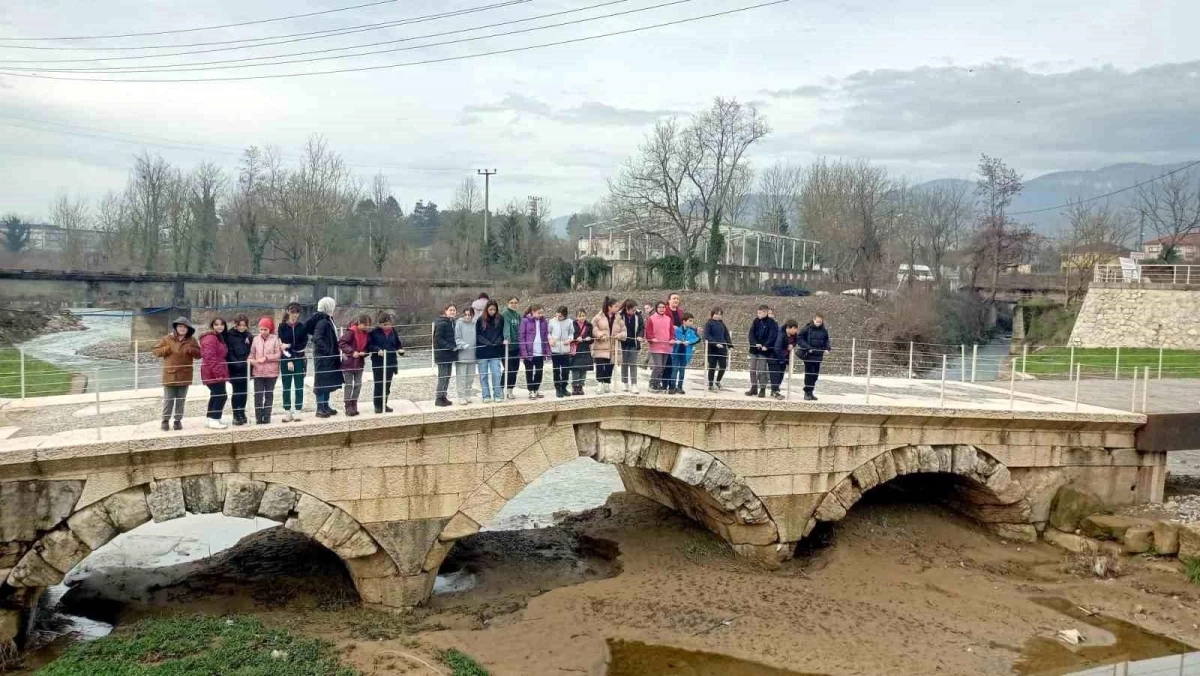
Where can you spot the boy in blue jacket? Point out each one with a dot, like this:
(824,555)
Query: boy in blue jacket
(686,338)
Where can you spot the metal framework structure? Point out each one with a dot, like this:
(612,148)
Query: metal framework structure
(615,241)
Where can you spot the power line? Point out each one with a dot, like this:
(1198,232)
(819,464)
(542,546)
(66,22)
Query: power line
(205,65)
(1107,194)
(463,57)
(203,28)
(279,39)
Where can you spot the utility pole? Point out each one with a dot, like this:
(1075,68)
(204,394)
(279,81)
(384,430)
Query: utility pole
(487,209)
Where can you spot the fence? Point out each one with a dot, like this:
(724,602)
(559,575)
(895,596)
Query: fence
(1147,274)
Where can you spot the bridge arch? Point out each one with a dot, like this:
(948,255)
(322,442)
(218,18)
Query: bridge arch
(984,488)
(689,480)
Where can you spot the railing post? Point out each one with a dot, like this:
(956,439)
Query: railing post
(974,360)
(1024,358)
(1071,363)
(97,390)
(910,360)
(962,363)
(1160,360)
(1174,274)
(853,354)
(790,364)
(21,351)
(942,395)
(135,365)
(1012,386)
(1133,392)
(1078,374)
(868,376)
(1145,388)
(1117,365)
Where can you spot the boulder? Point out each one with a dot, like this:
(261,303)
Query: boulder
(128,509)
(277,502)
(62,549)
(166,499)
(1070,505)
(1166,538)
(1138,539)
(1069,541)
(242,497)
(204,494)
(1018,532)
(1110,527)
(1189,541)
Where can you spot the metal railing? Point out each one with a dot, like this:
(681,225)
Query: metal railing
(1147,274)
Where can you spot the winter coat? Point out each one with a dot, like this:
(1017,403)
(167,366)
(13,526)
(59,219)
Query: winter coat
(607,334)
(479,305)
(512,325)
(561,333)
(783,345)
(659,333)
(295,337)
(444,349)
(531,326)
(584,345)
(213,369)
(178,354)
(814,341)
(238,351)
(635,327)
(347,346)
(688,335)
(390,344)
(763,332)
(717,335)
(327,358)
(464,339)
(489,338)
(265,354)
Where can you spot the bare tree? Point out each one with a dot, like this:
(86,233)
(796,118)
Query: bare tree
(778,195)
(248,210)
(1172,208)
(675,188)
(1094,231)
(206,183)
(383,222)
(117,237)
(147,197)
(940,216)
(72,216)
(737,196)
(467,201)
(181,222)
(995,189)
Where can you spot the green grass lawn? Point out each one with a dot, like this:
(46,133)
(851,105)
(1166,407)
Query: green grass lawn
(198,644)
(1098,361)
(42,379)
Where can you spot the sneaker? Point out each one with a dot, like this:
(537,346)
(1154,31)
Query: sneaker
(485,400)
(538,395)
(287,416)
(777,395)
(511,395)
(533,395)
(809,396)
(634,389)
(213,424)
(463,402)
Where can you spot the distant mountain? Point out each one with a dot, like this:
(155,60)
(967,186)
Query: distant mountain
(1060,187)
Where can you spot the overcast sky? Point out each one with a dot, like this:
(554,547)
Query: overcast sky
(921,86)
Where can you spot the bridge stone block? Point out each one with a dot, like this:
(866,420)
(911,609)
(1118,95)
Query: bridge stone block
(128,509)
(459,526)
(791,514)
(310,515)
(407,542)
(885,467)
(560,446)
(375,509)
(166,500)
(33,571)
(277,502)
(62,549)
(28,507)
(204,494)
(242,497)
(531,463)
(336,530)
(506,481)
(434,506)
(865,477)
(93,526)
(358,545)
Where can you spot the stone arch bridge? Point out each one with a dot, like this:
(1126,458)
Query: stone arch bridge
(391,494)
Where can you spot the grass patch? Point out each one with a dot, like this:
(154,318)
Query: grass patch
(461,664)
(42,379)
(1191,569)
(200,644)
(1101,361)
(703,545)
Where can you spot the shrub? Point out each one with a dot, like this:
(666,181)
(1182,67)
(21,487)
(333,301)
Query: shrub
(590,271)
(554,274)
(670,268)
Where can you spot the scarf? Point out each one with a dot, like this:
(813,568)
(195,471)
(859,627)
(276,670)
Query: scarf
(387,330)
(360,339)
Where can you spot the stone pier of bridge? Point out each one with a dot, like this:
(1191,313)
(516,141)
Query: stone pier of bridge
(391,494)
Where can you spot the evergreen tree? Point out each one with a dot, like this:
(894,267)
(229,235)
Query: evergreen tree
(16,233)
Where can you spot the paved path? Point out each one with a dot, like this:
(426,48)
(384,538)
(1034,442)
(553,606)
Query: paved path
(1169,395)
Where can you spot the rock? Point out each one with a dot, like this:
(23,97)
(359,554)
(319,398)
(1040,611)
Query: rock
(1110,527)
(611,448)
(204,494)
(690,465)
(927,459)
(311,514)
(359,545)
(866,477)
(33,571)
(1138,539)
(62,549)
(337,529)
(92,525)
(587,439)
(460,526)
(277,502)
(1166,538)
(242,497)
(1069,541)
(830,509)
(166,500)
(1189,541)
(128,509)
(846,493)
(1070,505)
(30,507)
(963,459)
(1018,532)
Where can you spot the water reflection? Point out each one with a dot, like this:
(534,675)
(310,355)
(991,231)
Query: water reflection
(1171,665)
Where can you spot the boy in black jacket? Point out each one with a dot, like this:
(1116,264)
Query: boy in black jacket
(763,334)
(781,354)
(445,352)
(813,341)
(716,335)
(385,348)
(237,342)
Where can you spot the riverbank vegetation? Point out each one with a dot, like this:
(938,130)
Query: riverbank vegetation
(42,379)
(1104,360)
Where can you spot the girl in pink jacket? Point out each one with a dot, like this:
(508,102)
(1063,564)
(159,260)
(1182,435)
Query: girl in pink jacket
(265,353)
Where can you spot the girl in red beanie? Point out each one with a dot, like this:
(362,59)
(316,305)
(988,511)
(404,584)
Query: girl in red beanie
(265,353)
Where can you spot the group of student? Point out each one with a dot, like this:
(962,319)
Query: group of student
(498,342)
(232,357)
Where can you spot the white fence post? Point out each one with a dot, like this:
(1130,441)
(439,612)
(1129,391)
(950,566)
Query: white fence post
(853,354)
(97,390)
(942,395)
(1145,388)
(974,360)
(1012,386)
(868,377)
(1071,363)
(1133,392)
(962,363)
(790,367)
(135,365)
(1117,365)
(1160,360)
(1024,358)
(910,360)
(21,351)
(1078,373)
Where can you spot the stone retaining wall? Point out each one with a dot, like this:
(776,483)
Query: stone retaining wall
(1130,316)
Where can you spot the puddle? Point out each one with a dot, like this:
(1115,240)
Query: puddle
(1107,640)
(634,658)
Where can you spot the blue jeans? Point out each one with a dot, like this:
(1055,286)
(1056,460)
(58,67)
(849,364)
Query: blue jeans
(679,362)
(490,371)
(323,398)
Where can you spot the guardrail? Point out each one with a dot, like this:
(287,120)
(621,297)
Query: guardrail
(1147,274)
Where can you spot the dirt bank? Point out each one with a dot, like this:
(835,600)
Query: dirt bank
(896,588)
(17,326)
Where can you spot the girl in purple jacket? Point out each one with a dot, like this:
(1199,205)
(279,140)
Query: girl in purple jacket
(535,345)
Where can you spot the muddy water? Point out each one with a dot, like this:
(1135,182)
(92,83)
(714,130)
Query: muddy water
(1107,641)
(633,658)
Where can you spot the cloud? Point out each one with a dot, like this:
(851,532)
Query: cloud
(587,113)
(801,92)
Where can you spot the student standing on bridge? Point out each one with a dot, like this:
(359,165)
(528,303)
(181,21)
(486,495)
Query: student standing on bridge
(385,348)
(214,372)
(265,353)
(661,335)
(581,345)
(444,351)
(327,358)
(238,340)
(608,328)
(512,344)
(675,312)
(686,338)
(562,335)
(294,336)
(490,351)
(535,345)
(716,334)
(634,326)
(178,349)
(354,347)
(781,354)
(464,365)
(763,334)
(814,343)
